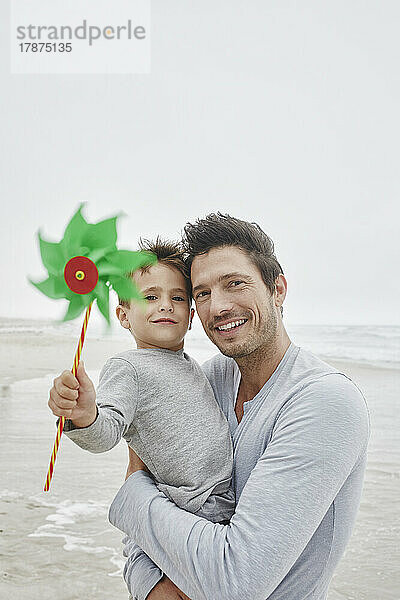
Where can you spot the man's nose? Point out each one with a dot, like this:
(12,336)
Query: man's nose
(219,303)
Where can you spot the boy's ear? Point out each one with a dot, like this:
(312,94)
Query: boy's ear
(192,311)
(122,316)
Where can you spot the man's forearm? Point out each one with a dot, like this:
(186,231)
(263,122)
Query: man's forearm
(144,579)
(123,507)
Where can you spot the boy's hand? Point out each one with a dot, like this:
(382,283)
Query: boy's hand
(166,590)
(74,397)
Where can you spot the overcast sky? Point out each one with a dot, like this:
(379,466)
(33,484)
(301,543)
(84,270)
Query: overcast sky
(281,112)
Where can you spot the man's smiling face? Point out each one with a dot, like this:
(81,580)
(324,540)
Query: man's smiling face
(237,310)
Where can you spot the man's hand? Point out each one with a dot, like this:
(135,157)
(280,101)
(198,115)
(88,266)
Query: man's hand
(74,397)
(166,590)
(135,464)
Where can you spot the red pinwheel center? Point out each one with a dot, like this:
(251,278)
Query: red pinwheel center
(81,275)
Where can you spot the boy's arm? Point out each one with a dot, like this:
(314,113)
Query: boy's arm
(117,397)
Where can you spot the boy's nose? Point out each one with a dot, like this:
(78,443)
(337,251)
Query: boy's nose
(165,308)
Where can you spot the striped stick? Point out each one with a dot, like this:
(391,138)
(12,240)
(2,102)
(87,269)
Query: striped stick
(62,419)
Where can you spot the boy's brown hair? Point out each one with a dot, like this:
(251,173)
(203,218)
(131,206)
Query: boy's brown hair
(168,253)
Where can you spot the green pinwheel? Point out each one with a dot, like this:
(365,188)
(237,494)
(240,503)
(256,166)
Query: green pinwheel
(86,264)
(82,268)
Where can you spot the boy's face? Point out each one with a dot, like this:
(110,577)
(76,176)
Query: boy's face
(164,320)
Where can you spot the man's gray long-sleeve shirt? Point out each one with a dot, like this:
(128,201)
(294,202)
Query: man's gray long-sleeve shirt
(299,460)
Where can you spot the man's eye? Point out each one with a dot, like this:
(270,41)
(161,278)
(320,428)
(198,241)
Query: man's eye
(202,294)
(235,283)
(151,297)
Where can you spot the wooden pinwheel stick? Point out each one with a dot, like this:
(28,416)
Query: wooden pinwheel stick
(62,419)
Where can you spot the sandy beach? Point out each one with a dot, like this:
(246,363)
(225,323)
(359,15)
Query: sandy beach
(60,544)
(34,355)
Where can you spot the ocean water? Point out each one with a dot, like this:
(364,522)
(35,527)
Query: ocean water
(367,344)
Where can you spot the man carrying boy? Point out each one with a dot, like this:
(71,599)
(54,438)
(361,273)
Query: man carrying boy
(300,431)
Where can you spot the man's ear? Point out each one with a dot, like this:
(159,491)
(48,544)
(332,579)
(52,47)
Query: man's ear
(192,311)
(280,290)
(122,317)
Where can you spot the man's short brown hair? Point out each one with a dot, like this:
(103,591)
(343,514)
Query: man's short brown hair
(219,230)
(168,253)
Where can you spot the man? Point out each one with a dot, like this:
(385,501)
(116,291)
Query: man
(300,431)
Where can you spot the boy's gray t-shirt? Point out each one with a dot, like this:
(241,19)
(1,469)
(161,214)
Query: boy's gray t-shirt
(162,404)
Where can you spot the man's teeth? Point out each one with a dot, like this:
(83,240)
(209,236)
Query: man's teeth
(231,325)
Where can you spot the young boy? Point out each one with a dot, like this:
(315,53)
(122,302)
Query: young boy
(156,397)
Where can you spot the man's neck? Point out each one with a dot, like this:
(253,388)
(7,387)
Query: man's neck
(257,367)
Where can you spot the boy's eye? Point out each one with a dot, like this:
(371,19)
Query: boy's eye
(178,298)
(151,297)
